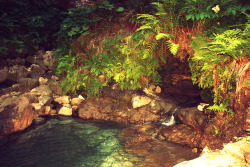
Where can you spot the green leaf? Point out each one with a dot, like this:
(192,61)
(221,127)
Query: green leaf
(120,9)
(197,16)
(173,48)
(162,35)
(190,16)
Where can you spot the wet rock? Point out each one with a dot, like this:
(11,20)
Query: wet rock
(138,140)
(183,134)
(16,114)
(193,117)
(42,90)
(139,101)
(62,100)
(39,120)
(162,107)
(66,110)
(35,71)
(3,74)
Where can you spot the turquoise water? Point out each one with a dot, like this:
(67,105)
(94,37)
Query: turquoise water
(68,142)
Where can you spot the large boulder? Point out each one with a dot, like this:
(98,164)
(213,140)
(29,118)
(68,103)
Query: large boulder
(139,101)
(233,154)
(106,109)
(16,114)
(163,107)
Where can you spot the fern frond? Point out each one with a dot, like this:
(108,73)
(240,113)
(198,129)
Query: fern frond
(173,48)
(162,35)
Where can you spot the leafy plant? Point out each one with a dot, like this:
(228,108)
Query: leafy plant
(26,25)
(76,23)
(216,64)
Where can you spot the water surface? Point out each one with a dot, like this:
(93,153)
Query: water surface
(68,142)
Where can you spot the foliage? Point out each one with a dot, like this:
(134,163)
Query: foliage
(26,25)
(198,10)
(76,22)
(214,64)
(163,25)
(114,60)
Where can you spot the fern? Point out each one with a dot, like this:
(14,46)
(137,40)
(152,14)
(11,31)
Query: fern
(173,48)
(221,108)
(214,64)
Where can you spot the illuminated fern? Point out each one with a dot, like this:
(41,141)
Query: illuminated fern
(214,64)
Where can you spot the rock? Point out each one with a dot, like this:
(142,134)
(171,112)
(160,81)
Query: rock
(42,90)
(158,89)
(35,71)
(62,100)
(80,97)
(76,101)
(54,78)
(184,88)
(248,118)
(139,101)
(37,60)
(47,110)
(43,81)
(49,60)
(45,100)
(31,96)
(16,61)
(66,110)
(192,116)
(16,73)
(52,112)
(16,114)
(165,106)
(15,93)
(233,154)
(75,108)
(56,88)
(3,74)
(37,106)
(26,84)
